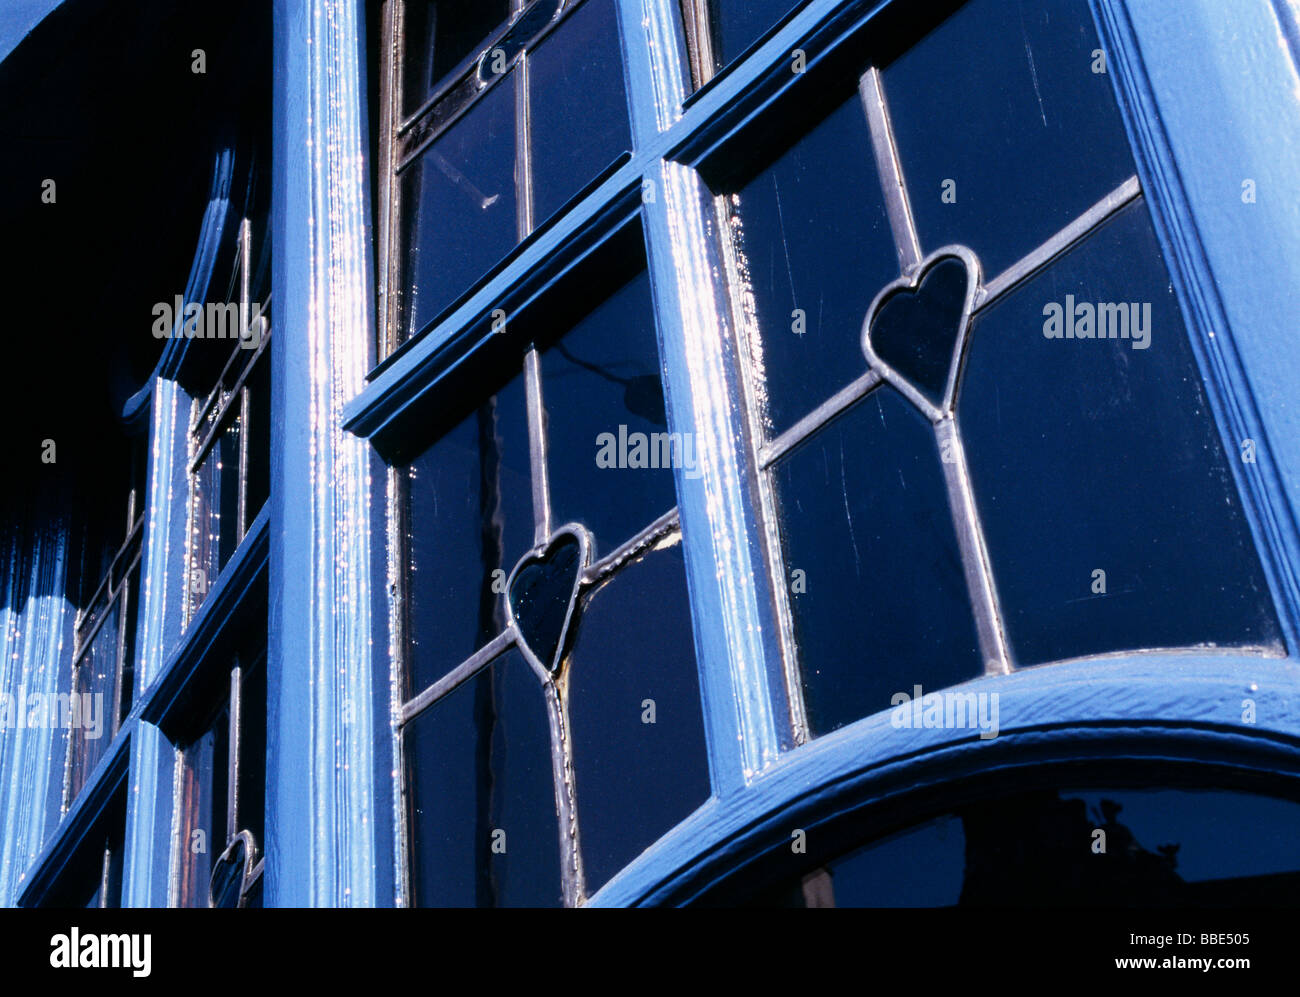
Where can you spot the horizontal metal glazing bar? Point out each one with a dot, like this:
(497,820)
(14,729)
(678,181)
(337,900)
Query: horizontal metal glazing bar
(458,676)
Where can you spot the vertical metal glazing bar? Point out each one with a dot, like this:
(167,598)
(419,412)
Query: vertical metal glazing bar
(245,274)
(233,760)
(970,539)
(388,268)
(699,40)
(245,409)
(897,205)
(537,445)
(572,878)
(105,870)
(523,147)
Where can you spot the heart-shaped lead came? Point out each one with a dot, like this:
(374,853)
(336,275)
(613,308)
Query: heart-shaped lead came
(543,596)
(915,329)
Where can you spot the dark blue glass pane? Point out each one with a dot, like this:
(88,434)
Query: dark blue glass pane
(259,438)
(228,876)
(1221,836)
(884,605)
(1163,848)
(441,35)
(471,515)
(202,793)
(483,815)
(812,235)
(915,331)
(1001,99)
(610,455)
(578,106)
(458,207)
(252,752)
(737,24)
(1092,455)
(892,872)
(634,662)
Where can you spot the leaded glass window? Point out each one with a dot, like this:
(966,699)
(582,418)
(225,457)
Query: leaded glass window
(982,421)
(222,793)
(720,31)
(230,430)
(553,728)
(1111,846)
(103,660)
(507,113)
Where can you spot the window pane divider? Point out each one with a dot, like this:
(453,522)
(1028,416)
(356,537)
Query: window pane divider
(236,392)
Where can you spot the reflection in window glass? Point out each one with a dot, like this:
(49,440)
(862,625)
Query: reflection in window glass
(504,160)
(634,705)
(1002,100)
(471,514)
(576,67)
(1163,848)
(220,756)
(202,797)
(610,457)
(230,426)
(481,758)
(458,207)
(441,35)
(735,25)
(103,661)
(813,260)
(93,876)
(214,523)
(482,796)
(884,605)
(1092,455)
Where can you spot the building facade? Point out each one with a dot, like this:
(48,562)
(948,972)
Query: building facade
(613,452)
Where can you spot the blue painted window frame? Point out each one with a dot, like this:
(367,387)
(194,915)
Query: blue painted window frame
(1176,69)
(174,654)
(337,833)
(755,774)
(1232,267)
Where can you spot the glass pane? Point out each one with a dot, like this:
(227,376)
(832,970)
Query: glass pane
(610,456)
(259,437)
(541,598)
(1101,455)
(737,24)
(471,515)
(91,726)
(915,332)
(111,895)
(640,761)
(126,685)
(458,207)
(1163,848)
(1002,99)
(441,35)
(215,527)
(202,808)
(482,795)
(882,604)
(578,106)
(252,752)
(228,876)
(814,246)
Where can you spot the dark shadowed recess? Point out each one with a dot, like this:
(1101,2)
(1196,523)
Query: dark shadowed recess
(101,98)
